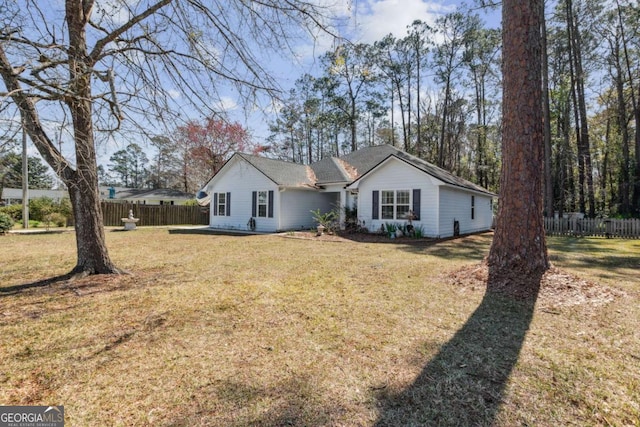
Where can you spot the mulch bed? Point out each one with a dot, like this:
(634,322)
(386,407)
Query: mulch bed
(558,288)
(357,237)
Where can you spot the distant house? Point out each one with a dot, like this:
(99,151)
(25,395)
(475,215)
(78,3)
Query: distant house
(384,184)
(12,196)
(161,196)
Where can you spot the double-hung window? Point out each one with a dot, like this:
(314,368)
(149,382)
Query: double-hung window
(221,207)
(395,204)
(222,204)
(403,203)
(263,203)
(387,203)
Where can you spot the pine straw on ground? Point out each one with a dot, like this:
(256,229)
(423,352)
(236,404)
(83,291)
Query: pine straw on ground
(558,288)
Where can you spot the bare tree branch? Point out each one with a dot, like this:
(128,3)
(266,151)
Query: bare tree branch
(97,49)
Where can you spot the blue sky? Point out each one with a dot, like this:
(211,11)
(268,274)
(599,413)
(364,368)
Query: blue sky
(362,21)
(365,21)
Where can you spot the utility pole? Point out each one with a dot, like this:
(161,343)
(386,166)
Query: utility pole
(25,180)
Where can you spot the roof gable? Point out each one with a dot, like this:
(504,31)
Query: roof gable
(285,174)
(347,169)
(368,159)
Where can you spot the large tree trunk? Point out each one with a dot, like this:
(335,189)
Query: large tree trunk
(82,181)
(93,257)
(518,255)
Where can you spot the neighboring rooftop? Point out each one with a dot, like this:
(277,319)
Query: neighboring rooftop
(142,195)
(12,194)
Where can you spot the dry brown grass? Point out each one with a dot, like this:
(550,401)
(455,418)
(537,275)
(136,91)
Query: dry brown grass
(269,330)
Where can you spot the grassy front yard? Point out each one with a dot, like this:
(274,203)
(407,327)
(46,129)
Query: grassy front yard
(272,330)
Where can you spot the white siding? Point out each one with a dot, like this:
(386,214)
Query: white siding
(240,179)
(397,175)
(484,213)
(455,205)
(298,204)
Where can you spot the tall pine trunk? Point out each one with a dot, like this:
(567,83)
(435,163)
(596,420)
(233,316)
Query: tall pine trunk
(624,178)
(443,128)
(635,103)
(518,255)
(585,170)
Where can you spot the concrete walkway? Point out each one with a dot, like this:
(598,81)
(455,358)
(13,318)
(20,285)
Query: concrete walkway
(51,230)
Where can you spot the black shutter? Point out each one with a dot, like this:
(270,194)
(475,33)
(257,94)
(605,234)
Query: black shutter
(228,204)
(215,203)
(374,208)
(270,204)
(416,204)
(254,200)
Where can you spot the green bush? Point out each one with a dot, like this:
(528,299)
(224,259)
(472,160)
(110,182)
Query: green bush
(57,219)
(6,222)
(46,210)
(40,208)
(43,210)
(14,211)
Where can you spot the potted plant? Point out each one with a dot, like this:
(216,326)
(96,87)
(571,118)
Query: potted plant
(391,229)
(325,221)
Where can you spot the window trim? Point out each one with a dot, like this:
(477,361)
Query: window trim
(395,203)
(265,204)
(221,203)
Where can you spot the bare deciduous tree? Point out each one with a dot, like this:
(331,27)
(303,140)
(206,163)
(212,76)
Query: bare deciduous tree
(106,65)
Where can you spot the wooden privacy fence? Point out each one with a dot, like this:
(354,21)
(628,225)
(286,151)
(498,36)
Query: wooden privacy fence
(620,228)
(154,214)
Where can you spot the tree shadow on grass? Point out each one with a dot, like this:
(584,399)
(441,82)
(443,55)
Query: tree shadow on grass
(17,289)
(464,384)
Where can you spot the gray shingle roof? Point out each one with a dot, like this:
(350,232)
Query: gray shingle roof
(282,173)
(348,168)
(365,159)
(370,157)
(329,170)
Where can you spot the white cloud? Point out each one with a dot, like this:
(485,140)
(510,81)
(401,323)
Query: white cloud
(226,103)
(174,94)
(368,21)
(377,18)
